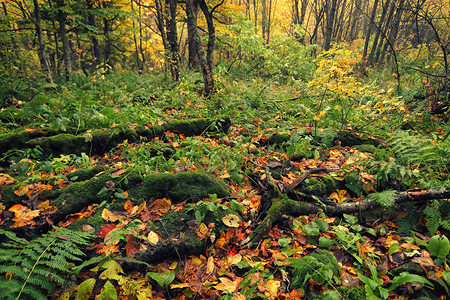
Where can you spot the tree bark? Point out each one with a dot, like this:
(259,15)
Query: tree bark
(369,28)
(63,36)
(193,58)
(206,71)
(173,55)
(42,53)
(330,13)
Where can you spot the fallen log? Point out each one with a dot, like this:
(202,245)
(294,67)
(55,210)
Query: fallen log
(281,205)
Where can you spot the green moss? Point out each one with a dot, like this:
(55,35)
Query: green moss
(366,148)
(354,293)
(317,266)
(180,187)
(17,140)
(85,174)
(320,186)
(348,138)
(95,220)
(63,143)
(279,138)
(78,195)
(177,238)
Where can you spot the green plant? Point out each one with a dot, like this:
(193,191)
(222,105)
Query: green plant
(33,269)
(374,288)
(320,266)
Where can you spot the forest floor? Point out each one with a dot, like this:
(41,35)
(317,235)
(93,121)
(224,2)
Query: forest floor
(258,193)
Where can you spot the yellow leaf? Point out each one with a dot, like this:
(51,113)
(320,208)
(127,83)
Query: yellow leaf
(272,287)
(316,118)
(339,196)
(153,237)
(107,215)
(210,265)
(231,220)
(180,285)
(227,285)
(234,259)
(23,190)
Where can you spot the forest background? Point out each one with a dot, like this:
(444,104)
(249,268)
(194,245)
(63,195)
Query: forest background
(244,109)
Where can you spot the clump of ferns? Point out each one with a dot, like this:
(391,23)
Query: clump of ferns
(34,269)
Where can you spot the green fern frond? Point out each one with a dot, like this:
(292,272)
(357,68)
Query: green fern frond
(35,267)
(434,219)
(386,198)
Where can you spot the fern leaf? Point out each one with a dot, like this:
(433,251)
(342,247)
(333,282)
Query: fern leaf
(386,198)
(434,219)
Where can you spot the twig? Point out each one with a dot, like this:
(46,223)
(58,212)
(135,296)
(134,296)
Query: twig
(306,175)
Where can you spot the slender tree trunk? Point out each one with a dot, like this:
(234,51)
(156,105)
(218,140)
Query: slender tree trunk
(193,58)
(42,55)
(173,56)
(394,31)
(211,34)
(63,36)
(206,71)
(331,12)
(369,28)
(379,30)
(95,48)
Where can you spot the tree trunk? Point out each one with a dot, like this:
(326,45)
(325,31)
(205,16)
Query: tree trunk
(330,12)
(95,48)
(63,36)
(211,34)
(380,30)
(369,28)
(193,58)
(206,71)
(42,55)
(173,55)
(393,32)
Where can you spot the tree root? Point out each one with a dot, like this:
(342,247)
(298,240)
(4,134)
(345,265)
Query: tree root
(283,205)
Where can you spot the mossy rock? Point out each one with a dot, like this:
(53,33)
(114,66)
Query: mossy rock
(18,139)
(179,187)
(279,138)
(85,174)
(320,265)
(177,238)
(348,138)
(322,185)
(63,143)
(352,293)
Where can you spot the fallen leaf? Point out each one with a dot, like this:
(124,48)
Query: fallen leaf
(339,196)
(87,227)
(153,237)
(227,285)
(231,220)
(5,179)
(23,190)
(132,247)
(210,265)
(107,215)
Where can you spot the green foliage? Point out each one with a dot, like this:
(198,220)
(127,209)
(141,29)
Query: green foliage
(374,288)
(386,198)
(31,269)
(439,246)
(320,266)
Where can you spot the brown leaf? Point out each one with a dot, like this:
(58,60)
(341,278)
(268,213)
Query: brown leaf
(132,246)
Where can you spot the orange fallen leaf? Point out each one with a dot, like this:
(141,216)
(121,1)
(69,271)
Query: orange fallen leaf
(340,196)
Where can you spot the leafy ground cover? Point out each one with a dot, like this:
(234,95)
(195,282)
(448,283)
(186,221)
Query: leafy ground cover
(329,189)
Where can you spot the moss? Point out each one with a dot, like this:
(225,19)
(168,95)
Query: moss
(85,174)
(348,138)
(95,220)
(180,187)
(62,143)
(177,238)
(17,140)
(104,140)
(78,195)
(353,293)
(279,138)
(366,148)
(319,186)
(315,265)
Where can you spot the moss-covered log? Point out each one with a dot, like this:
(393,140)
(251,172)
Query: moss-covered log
(282,205)
(102,140)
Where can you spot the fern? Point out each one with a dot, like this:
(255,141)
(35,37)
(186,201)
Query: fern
(421,153)
(386,198)
(438,214)
(33,269)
